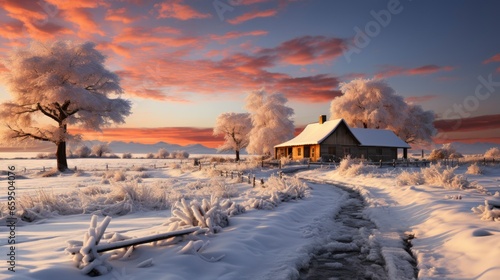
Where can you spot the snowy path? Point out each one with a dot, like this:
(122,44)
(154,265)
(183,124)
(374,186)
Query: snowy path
(350,254)
(355,248)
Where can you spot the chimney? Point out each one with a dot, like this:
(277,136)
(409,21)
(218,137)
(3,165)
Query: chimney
(322,119)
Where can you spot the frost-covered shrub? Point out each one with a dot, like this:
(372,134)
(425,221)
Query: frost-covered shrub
(353,167)
(278,190)
(410,178)
(180,154)
(285,161)
(150,156)
(211,215)
(82,152)
(436,174)
(219,187)
(474,169)
(119,176)
(445,152)
(127,155)
(490,211)
(492,153)
(162,153)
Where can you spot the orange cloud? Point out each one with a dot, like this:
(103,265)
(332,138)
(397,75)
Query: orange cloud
(163,35)
(308,49)
(34,18)
(252,15)
(236,34)
(120,15)
(165,77)
(178,10)
(83,18)
(390,71)
(173,135)
(495,58)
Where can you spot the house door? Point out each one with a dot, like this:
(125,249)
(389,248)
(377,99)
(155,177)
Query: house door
(307,151)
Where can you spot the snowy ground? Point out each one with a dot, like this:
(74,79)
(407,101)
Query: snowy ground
(273,243)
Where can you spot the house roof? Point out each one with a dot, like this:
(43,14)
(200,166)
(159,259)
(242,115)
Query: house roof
(379,138)
(316,133)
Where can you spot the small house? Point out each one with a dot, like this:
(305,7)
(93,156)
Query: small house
(334,139)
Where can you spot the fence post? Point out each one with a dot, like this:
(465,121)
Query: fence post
(249,179)
(254,181)
(393,163)
(262,162)
(231,174)
(106,167)
(380,163)
(262,181)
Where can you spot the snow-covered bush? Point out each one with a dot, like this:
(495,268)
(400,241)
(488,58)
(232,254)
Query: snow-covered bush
(285,161)
(410,178)
(100,149)
(490,211)
(436,174)
(127,155)
(219,187)
(445,152)
(492,153)
(211,215)
(82,152)
(278,190)
(121,199)
(150,156)
(85,254)
(353,167)
(474,169)
(162,153)
(180,154)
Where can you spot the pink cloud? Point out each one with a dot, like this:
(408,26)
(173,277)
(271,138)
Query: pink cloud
(307,49)
(178,10)
(390,70)
(486,122)
(164,35)
(236,34)
(120,15)
(34,18)
(252,15)
(495,58)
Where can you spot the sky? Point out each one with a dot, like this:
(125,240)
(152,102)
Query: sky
(184,62)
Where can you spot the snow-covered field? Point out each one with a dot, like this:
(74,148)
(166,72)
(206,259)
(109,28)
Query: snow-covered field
(285,222)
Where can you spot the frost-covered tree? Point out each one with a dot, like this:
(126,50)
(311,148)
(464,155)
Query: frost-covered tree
(82,151)
(235,127)
(58,85)
(162,153)
(100,149)
(271,121)
(492,153)
(370,103)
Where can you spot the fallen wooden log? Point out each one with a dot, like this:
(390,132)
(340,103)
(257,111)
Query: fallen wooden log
(100,248)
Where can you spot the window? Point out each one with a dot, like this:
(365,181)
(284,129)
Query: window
(312,152)
(299,151)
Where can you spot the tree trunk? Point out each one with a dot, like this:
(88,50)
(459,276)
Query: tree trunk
(62,163)
(237,155)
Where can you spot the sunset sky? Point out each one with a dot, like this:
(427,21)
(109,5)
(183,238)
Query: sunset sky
(184,62)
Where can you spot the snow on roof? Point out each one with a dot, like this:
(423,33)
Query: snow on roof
(379,138)
(315,133)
